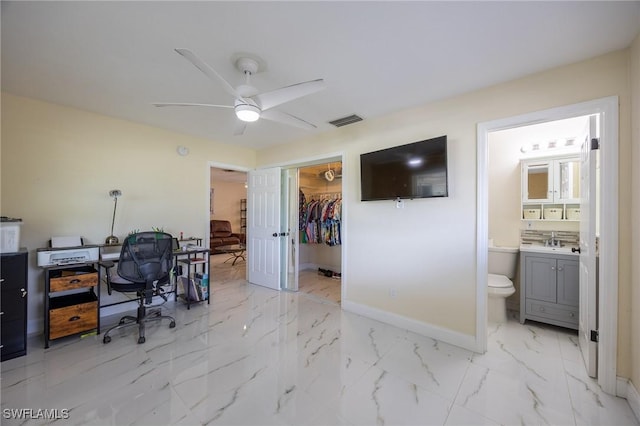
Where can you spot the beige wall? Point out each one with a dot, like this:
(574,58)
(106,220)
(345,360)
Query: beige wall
(428,249)
(635,207)
(505,204)
(227,196)
(58,165)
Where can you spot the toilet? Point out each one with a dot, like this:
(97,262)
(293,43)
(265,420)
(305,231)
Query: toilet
(502,269)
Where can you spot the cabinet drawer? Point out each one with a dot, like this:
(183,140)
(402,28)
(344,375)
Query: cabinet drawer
(75,279)
(13,341)
(73,319)
(551,311)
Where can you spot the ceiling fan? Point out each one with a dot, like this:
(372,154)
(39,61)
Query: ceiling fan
(249,104)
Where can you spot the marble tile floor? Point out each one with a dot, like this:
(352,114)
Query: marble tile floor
(311,283)
(255,356)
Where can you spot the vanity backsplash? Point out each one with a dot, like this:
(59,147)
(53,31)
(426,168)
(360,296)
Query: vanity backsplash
(566,238)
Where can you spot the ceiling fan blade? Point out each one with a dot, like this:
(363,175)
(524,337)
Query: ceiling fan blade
(285,94)
(181,104)
(239,127)
(207,70)
(285,118)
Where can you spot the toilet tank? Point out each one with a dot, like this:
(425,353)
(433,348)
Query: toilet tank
(503,261)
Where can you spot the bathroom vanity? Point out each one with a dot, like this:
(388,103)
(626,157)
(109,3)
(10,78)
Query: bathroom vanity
(550,286)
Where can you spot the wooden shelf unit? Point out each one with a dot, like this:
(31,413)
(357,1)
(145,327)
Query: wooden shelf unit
(71,302)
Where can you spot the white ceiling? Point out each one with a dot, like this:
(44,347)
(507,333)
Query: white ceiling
(117,58)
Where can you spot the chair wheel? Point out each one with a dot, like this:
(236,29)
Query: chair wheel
(106,339)
(141,340)
(172,324)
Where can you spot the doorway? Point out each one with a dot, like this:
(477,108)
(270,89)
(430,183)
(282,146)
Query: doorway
(228,207)
(276,204)
(607,109)
(318,209)
(534,147)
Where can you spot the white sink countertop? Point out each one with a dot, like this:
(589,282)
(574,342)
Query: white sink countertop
(539,248)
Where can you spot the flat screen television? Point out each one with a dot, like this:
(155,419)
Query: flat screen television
(415,170)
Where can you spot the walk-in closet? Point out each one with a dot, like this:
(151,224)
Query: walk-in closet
(320,236)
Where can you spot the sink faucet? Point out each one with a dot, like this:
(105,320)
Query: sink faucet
(552,242)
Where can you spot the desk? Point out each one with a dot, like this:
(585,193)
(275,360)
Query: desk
(111,253)
(191,240)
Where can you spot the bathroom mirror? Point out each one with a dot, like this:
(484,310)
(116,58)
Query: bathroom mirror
(538,181)
(569,179)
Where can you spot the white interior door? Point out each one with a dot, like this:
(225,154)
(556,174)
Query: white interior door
(588,291)
(263,228)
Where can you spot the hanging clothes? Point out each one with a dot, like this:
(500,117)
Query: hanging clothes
(322,222)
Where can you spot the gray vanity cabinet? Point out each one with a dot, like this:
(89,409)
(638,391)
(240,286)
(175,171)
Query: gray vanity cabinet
(550,288)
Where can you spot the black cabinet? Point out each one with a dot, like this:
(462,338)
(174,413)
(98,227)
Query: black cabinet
(13,305)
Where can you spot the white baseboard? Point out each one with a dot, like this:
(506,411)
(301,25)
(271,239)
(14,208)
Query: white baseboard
(633,397)
(429,330)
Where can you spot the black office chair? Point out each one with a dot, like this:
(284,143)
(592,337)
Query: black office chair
(145,264)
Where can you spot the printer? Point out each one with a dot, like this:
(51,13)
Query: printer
(67,251)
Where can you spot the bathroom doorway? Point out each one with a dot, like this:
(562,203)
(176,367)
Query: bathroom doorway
(607,293)
(507,149)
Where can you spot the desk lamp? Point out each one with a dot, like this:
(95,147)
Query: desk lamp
(115,193)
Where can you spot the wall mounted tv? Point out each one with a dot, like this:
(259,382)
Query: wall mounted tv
(415,170)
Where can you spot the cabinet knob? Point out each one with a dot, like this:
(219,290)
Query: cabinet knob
(541,309)
(560,268)
(553,268)
(571,314)
(24,292)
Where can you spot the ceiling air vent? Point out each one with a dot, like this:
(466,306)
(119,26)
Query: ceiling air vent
(350,119)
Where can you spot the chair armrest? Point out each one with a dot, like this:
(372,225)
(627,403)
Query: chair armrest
(240,236)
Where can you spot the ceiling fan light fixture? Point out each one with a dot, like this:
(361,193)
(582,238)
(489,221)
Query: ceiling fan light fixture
(247,112)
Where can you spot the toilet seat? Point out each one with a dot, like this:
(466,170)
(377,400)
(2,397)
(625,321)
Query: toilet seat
(499,281)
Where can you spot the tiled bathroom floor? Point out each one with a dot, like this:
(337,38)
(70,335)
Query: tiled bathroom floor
(260,357)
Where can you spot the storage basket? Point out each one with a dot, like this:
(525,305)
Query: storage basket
(553,213)
(531,213)
(573,214)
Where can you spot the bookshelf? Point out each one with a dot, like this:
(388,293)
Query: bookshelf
(243,216)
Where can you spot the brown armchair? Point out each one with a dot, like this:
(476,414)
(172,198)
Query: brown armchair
(221,235)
